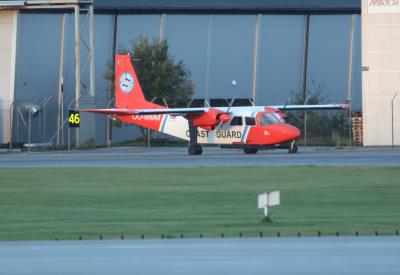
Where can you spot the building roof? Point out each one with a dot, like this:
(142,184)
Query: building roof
(41,4)
(208,6)
(349,6)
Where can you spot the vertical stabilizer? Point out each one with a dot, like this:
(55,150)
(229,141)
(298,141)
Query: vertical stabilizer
(128,93)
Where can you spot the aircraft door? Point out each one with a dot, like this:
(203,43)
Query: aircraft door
(230,132)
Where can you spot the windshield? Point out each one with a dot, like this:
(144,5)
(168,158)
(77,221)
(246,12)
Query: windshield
(278,116)
(268,119)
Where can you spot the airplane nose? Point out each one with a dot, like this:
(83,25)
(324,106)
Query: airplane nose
(296,133)
(292,131)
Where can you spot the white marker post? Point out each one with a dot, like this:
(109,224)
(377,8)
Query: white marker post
(268,199)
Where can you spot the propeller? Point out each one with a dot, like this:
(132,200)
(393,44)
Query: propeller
(225,117)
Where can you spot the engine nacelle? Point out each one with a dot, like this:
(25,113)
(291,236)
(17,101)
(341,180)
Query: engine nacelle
(208,120)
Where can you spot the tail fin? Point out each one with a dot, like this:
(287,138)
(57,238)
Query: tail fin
(128,93)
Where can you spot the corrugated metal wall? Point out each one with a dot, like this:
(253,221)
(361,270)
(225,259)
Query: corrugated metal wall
(217,49)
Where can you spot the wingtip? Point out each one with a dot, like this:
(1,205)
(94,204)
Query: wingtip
(345,106)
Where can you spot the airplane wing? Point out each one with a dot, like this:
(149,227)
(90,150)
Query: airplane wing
(311,107)
(130,112)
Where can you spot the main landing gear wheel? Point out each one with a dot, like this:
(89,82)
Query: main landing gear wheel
(250,150)
(195,150)
(293,148)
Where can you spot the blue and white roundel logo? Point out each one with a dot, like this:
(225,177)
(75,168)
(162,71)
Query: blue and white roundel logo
(126,83)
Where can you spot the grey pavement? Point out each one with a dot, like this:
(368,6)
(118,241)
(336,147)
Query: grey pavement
(212,156)
(330,255)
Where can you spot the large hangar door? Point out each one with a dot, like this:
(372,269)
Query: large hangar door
(8,36)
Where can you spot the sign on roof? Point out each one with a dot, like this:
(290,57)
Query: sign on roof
(383,6)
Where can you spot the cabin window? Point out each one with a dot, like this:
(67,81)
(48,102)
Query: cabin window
(250,121)
(237,121)
(268,119)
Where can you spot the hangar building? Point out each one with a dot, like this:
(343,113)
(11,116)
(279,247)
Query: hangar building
(271,49)
(381,72)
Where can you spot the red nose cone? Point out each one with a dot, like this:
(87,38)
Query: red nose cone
(290,132)
(294,132)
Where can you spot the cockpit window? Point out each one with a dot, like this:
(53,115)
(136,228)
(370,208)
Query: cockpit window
(278,116)
(268,119)
(237,121)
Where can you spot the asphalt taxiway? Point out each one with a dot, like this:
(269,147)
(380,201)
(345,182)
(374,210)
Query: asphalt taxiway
(212,156)
(330,255)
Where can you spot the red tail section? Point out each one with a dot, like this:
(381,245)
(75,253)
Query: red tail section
(128,93)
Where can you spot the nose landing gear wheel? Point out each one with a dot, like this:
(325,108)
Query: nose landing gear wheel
(293,148)
(250,150)
(195,149)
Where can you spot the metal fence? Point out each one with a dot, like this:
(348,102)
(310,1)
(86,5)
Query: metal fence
(40,123)
(43,123)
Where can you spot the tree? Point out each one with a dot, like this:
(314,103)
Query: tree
(321,125)
(159,76)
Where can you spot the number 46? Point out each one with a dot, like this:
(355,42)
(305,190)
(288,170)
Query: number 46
(74,118)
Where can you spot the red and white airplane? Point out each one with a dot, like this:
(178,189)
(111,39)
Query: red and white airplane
(249,127)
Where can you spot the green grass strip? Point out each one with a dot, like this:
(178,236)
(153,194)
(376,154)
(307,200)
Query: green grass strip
(65,203)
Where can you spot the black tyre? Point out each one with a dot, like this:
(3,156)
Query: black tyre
(250,150)
(195,150)
(199,150)
(192,150)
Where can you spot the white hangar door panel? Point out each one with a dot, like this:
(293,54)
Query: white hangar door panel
(8,34)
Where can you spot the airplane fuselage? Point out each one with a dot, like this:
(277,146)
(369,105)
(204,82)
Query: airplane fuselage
(246,126)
